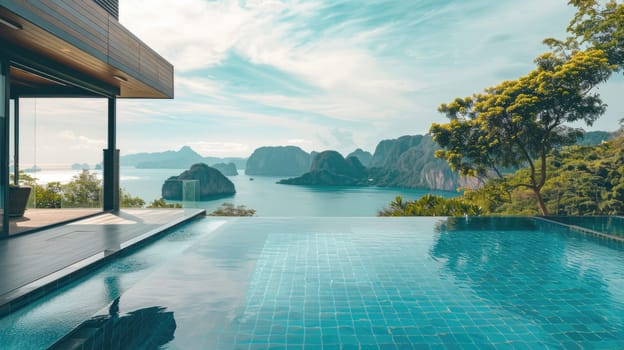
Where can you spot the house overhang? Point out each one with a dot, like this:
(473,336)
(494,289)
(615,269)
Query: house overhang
(71,47)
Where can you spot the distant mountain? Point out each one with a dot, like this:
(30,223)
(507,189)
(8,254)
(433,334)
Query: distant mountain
(181,159)
(329,168)
(364,157)
(410,161)
(211,184)
(238,162)
(278,161)
(79,166)
(313,155)
(228,169)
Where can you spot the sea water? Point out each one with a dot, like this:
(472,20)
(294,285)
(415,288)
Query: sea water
(263,194)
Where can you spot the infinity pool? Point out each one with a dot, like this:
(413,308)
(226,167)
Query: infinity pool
(613,225)
(351,283)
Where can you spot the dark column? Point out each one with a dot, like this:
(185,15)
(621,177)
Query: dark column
(111,161)
(4,145)
(16,141)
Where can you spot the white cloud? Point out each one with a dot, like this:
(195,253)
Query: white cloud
(193,33)
(199,86)
(199,34)
(81,141)
(458,49)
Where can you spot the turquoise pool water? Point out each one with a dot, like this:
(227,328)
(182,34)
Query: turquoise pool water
(351,283)
(613,225)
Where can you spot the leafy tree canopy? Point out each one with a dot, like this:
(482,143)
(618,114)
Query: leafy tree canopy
(518,122)
(126,200)
(83,191)
(160,203)
(431,205)
(596,24)
(228,209)
(586,180)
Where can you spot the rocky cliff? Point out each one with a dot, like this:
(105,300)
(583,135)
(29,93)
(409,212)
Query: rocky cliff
(329,168)
(228,169)
(211,184)
(410,161)
(278,161)
(364,157)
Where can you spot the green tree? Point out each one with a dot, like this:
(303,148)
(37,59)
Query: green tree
(128,201)
(83,191)
(228,209)
(585,180)
(430,205)
(519,122)
(160,203)
(598,25)
(24,179)
(49,196)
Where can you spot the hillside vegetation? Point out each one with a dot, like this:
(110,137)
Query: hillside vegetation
(525,122)
(586,180)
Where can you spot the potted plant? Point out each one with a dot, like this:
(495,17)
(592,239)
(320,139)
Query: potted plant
(18,198)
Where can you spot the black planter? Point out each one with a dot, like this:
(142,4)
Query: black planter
(18,198)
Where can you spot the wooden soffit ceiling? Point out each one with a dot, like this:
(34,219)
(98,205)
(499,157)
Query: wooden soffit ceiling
(79,37)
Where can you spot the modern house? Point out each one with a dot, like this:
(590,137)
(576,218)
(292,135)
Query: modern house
(69,49)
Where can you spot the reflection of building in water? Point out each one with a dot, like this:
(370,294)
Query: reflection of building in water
(146,329)
(113,289)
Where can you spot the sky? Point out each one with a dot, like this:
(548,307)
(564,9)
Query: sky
(318,74)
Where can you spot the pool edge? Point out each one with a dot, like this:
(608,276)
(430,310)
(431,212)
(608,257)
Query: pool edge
(24,295)
(582,230)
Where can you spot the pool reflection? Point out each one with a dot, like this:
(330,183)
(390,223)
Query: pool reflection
(554,280)
(147,329)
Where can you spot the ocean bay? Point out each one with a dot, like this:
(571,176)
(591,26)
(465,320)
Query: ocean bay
(263,193)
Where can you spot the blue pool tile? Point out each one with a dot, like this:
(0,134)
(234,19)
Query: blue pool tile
(333,339)
(353,292)
(348,339)
(312,340)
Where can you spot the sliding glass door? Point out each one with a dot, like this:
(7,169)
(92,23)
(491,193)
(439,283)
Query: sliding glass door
(4,117)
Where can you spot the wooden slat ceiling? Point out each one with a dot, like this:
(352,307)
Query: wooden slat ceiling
(119,51)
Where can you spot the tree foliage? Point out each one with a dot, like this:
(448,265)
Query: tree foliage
(126,200)
(520,122)
(430,205)
(228,209)
(160,203)
(83,191)
(596,24)
(586,180)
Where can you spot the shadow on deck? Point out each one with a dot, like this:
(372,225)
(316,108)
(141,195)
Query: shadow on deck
(34,219)
(35,264)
